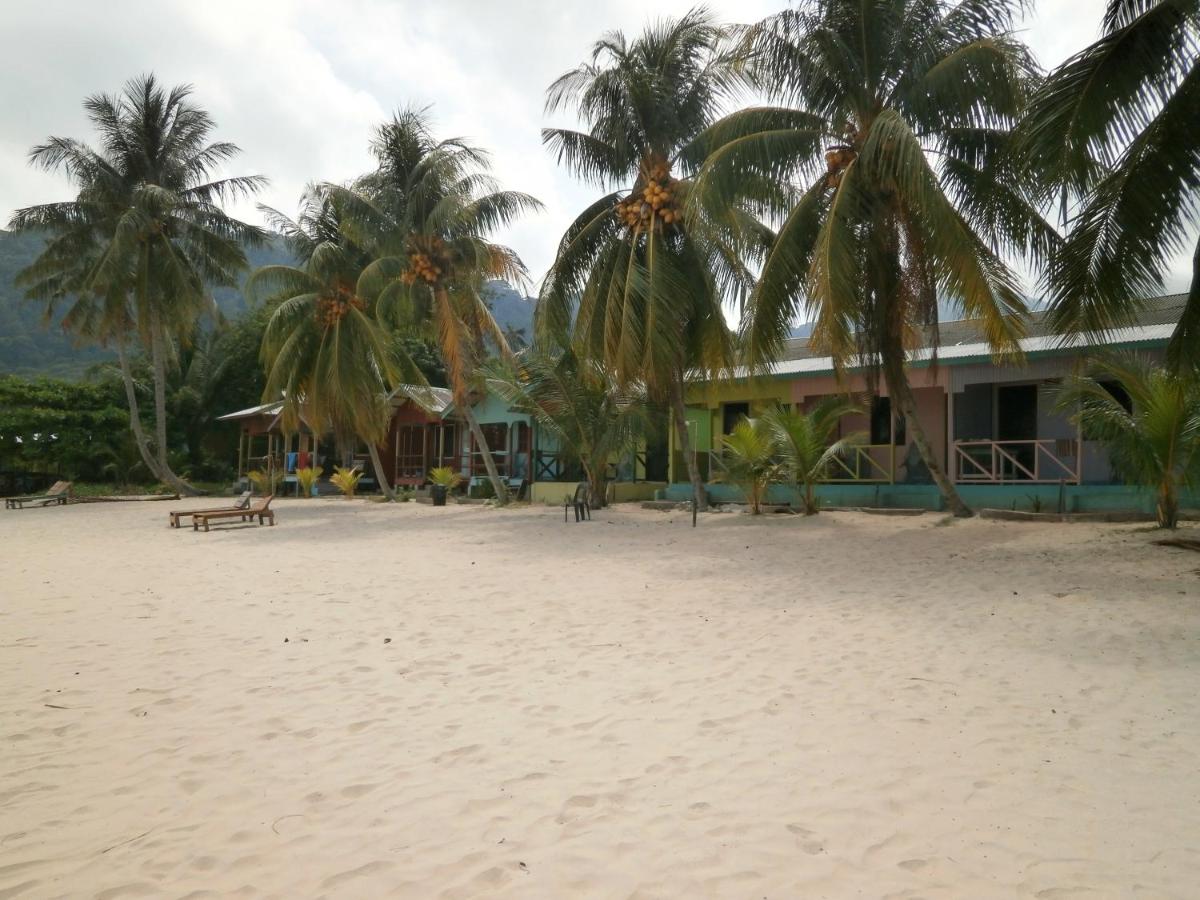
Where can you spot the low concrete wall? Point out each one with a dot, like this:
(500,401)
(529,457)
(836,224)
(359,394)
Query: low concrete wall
(553,492)
(1086,498)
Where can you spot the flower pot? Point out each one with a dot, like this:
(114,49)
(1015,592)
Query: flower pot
(438,492)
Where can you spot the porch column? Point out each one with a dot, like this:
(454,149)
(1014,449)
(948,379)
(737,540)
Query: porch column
(891,444)
(951,460)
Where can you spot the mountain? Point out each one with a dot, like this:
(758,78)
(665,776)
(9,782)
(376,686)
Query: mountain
(512,311)
(31,346)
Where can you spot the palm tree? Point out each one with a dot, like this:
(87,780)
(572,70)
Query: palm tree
(805,445)
(640,283)
(592,417)
(896,126)
(323,348)
(426,213)
(134,252)
(1112,133)
(1157,443)
(748,460)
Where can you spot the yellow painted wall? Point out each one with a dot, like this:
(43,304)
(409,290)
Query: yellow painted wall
(553,492)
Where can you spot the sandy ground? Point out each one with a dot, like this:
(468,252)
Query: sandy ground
(415,702)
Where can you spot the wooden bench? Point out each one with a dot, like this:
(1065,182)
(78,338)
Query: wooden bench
(262,512)
(240,504)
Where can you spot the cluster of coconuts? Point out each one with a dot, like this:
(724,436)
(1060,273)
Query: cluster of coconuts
(331,310)
(427,264)
(836,161)
(654,203)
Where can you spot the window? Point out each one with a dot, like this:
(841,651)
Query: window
(731,414)
(1119,394)
(881,423)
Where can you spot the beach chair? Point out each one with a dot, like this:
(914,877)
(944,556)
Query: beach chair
(58,494)
(262,511)
(580,501)
(241,503)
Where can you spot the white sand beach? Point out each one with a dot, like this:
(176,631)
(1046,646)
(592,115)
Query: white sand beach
(371,701)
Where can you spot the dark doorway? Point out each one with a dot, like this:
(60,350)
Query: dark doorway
(1016,420)
(656,456)
(1016,412)
(881,423)
(731,414)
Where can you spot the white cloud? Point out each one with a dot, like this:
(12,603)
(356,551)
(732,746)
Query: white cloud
(299,85)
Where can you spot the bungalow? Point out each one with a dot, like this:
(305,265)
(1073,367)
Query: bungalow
(427,431)
(994,425)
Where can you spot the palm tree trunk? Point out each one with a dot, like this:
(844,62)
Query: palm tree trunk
(380,478)
(158,359)
(598,484)
(498,484)
(1167,508)
(699,495)
(901,392)
(135,419)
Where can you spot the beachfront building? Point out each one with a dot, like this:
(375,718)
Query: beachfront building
(994,425)
(265,446)
(526,455)
(427,431)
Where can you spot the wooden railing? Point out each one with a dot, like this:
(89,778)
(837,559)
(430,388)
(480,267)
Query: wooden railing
(858,463)
(1031,461)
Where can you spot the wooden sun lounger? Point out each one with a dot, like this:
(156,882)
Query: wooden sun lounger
(262,511)
(241,503)
(59,494)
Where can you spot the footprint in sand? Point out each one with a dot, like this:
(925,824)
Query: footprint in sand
(808,840)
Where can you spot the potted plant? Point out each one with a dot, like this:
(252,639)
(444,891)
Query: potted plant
(443,479)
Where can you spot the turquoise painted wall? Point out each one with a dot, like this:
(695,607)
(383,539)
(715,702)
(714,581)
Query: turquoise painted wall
(1078,498)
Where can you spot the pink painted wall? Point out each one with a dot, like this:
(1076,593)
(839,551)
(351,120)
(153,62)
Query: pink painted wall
(931,411)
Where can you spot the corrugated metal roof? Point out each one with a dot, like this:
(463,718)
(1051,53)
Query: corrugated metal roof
(963,339)
(432,399)
(263,409)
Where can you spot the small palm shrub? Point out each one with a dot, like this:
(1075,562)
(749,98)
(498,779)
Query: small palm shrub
(1157,445)
(446,477)
(346,480)
(805,445)
(265,482)
(306,478)
(748,458)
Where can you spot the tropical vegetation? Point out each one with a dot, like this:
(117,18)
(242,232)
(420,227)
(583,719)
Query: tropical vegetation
(306,479)
(909,159)
(895,123)
(324,349)
(345,479)
(642,275)
(1111,135)
(133,254)
(1153,439)
(748,460)
(807,445)
(594,420)
(426,214)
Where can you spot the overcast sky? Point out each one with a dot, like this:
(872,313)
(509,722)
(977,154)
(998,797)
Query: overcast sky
(299,85)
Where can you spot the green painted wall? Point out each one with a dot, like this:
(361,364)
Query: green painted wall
(1077,498)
